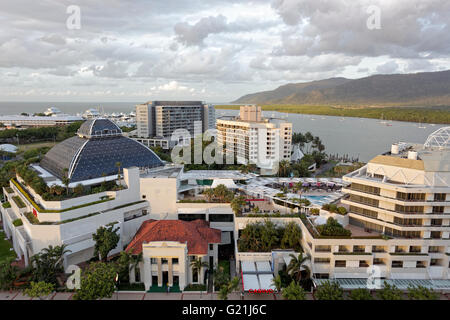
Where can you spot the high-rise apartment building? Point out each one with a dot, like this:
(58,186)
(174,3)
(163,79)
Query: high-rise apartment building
(157,120)
(254,139)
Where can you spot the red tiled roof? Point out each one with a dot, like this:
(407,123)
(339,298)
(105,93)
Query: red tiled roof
(196,233)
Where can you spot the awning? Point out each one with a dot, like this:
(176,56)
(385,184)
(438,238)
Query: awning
(250,282)
(248,267)
(265,281)
(263,267)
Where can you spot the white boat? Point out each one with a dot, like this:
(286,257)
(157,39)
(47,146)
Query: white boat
(91,114)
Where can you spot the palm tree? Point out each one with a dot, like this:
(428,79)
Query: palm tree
(283,167)
(65,179)
(221,192)
(209,194)
(118,165)
(277,283)
(197,266)
(57,252)
(228,288)
(297,265)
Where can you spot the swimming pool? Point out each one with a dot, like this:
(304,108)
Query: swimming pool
(318,200)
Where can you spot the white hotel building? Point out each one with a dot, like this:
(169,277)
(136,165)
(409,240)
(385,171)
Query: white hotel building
(254,139)
(399,215)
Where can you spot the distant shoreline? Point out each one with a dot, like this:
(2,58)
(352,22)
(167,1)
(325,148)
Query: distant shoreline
(434,115)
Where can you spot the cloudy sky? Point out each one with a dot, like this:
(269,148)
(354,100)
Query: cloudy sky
(212,50)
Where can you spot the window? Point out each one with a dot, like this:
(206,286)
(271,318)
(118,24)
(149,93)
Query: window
(409,209)
(435,262)
(365,188)
(421,264)
(363,264)
(439,196)
(378,261)
(211,246)
(436,222)
(408,222)
(364,200)
(174,260)
(364,212)
(434,249)
(340,263)
(322,260)
(397,264)
(438,209)
(411,196)
(322,249)
(221,217)
(435,234)
(191,217)
(415,249)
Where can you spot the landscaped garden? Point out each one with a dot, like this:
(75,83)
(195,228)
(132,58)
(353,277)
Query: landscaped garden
(264,237)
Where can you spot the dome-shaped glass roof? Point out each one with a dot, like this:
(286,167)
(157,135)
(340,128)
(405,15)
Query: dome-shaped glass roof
(439,139)
(98,127)
(90,155)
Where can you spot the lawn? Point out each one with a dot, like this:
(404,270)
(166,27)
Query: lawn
(4,248)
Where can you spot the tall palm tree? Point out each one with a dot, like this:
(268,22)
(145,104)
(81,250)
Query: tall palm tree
(297,265)
(197,266)
(65,179)
(118,165)
(283,167)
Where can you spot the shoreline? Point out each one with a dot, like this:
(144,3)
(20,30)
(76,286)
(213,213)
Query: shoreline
(415,114)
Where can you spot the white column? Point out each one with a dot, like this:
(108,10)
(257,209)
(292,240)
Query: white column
(160,278)
(147,274)
(170,273)
(132,275)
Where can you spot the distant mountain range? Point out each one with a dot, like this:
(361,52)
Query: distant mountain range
(419,89)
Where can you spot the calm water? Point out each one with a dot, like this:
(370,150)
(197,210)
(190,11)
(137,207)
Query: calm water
(355,137)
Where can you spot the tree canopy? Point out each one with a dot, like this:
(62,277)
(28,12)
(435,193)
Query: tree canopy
(106,239)
(97,281)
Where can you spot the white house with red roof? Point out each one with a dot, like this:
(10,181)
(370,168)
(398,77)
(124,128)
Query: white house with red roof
(169,247)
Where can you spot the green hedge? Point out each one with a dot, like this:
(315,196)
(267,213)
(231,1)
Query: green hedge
(40,209)
(17,222)
(6,205)
(31,218)
(195,287)
(19,202)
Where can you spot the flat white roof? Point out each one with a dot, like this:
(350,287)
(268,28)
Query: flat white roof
(229,183)
(216,174)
